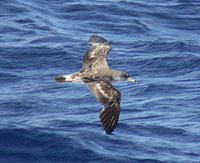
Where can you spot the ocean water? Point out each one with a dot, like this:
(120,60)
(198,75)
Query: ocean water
(156,41)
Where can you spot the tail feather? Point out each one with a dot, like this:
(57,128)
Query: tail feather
(60,78)
(69,78)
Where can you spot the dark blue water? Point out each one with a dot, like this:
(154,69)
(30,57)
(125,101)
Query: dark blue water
(156,41)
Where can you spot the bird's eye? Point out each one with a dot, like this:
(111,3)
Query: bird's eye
(126,76)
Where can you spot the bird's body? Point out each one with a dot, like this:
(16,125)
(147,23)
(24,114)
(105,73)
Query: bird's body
(96,73)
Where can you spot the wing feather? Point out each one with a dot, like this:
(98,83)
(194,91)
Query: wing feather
(110,97)
(95,56)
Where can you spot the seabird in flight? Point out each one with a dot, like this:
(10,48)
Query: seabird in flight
(97,75)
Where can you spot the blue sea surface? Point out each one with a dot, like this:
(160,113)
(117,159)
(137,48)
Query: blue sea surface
(156,41)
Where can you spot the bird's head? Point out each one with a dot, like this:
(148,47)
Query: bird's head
(125,76)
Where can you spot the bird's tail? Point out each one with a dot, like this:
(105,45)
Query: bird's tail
(75,77)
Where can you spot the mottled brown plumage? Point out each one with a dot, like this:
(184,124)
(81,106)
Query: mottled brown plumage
(110,98)
(96,73)
(95,57)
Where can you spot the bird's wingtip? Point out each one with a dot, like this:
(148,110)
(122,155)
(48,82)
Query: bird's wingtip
(95,39)
(109,119)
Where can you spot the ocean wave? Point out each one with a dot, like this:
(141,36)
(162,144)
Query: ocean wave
(155,42)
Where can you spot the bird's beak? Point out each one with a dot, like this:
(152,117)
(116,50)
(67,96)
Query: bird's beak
(132,80)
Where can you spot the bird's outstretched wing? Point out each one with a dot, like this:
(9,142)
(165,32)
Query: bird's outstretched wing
(95,57)
(110,97)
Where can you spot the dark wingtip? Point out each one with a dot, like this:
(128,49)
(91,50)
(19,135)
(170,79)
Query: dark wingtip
(60,79)
(97,39)
(109,119)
